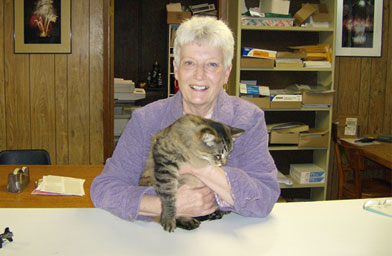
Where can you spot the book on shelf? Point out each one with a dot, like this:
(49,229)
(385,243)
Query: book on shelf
(258,53)
(201,8)
(258,90)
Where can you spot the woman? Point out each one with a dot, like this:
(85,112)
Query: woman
(247,185)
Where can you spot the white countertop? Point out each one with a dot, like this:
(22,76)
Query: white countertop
(312,228)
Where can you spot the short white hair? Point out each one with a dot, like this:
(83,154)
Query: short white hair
(207,31)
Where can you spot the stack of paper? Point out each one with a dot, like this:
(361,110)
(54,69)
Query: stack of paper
(290,59)
(283,179)
(59,185)
(317,64)
(307,173)
(319,52)
(125,90)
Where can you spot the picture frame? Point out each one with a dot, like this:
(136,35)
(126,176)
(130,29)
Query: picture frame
(359,28)
(42,26)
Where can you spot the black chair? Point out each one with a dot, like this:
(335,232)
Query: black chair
(25,156)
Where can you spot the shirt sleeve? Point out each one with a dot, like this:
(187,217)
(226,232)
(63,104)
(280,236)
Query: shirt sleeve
(251,170)
(116,188)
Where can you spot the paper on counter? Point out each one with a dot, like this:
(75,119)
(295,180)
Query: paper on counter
(59,185)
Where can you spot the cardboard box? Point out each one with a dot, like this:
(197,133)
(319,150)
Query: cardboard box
(347,126)
(274,6)
(262,102)
(278,137)
(305,12)
(177,17)
(317,97)
(289,65)
(256,63)
(314,138)
(321,14)
(288,127)
(286,101)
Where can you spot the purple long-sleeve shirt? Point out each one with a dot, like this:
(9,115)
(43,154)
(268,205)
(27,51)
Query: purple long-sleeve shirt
(250,169)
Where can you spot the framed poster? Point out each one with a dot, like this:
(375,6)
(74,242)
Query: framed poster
(359,28)
(42,26)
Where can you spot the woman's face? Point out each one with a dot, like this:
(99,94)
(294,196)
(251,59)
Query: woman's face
(201,76)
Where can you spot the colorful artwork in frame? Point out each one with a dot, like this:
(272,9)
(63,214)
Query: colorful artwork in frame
(359,28)
(42,26)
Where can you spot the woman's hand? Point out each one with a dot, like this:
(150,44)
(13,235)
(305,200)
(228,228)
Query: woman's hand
(193,202)
(213,177)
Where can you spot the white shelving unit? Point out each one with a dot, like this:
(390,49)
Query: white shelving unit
(279,38)
(170,71)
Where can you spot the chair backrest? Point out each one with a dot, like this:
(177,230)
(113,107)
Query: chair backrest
(349,161)
(25,156)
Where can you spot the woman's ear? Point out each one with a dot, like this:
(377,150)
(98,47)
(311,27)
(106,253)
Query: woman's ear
(227,73)
(175,69)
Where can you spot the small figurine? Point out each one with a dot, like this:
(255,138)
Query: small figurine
(160,82)
(149,79)
(7,235)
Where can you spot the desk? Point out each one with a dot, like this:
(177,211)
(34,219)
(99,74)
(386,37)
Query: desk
(310,228)
(27,200)
(381,152)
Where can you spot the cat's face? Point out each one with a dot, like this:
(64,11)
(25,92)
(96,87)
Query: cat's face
(218,140)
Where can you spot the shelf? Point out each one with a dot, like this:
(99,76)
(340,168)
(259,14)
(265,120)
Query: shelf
(286,148)
(280,39)
(287,69)
(300,29)
(296,109)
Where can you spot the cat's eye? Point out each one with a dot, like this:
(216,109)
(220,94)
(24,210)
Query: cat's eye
(218,157)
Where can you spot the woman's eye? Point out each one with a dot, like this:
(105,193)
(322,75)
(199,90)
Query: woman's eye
(212,65)
(188,63)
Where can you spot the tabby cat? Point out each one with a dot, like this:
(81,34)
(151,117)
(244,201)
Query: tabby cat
(190,140)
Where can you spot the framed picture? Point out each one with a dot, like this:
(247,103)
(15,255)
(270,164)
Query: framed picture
(42,26)
(359,27)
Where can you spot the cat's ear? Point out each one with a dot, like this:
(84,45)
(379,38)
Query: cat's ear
(207,136)
(236,132)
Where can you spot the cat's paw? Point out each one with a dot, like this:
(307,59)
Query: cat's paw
(187,223)
(168,223)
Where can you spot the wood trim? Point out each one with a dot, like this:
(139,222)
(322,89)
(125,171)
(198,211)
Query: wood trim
(108,104)
(388,69)
(3,130)
(79,86)
(96,82)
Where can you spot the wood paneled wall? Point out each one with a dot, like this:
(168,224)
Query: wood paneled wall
(55,101)
(364,88)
